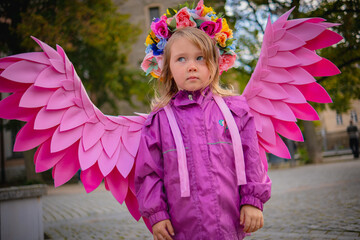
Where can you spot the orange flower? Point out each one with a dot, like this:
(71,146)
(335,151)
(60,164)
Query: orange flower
(225,29)
(221,38)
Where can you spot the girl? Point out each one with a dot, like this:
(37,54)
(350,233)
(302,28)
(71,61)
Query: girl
(214,206)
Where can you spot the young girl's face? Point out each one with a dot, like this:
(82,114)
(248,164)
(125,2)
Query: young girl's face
(188,65)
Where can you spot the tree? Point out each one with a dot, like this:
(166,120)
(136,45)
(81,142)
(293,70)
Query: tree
(250,17)
(94,35)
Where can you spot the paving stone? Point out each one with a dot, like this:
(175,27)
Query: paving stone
(308,202)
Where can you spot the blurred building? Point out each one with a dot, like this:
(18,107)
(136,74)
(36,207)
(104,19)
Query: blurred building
(333,126)
(141,13)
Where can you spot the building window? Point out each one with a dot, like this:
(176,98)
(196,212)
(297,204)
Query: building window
(154,12)
(353,116)
(339,120)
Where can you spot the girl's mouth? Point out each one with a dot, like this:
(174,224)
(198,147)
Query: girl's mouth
(192,78)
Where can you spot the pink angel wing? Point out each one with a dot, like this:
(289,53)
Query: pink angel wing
(283,80)
(70,132)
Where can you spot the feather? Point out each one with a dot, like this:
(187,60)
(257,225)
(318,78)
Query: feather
(73,117)
(107,164)
(28,138)
(67,167)
(89,157)
(35,97)
(304,111)
(49,78)
(117,185)
(92,134)
(133,205)
(325,39)
(45,159)
(295,96)
(23,71)
(10,86)
(287,129)
(9,108)
(314,92)
(322,68)
(91,178)
(110,140)
(125,162)
(61,99)
(306,31)
(46,119)
(61,140)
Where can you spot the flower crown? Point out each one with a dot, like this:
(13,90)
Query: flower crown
(201,17)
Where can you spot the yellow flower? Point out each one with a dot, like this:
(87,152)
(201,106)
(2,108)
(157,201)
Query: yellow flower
(151,38)
(154,75)
(207,10)
(225,29)
(214,18)
(148,41)
(221,38)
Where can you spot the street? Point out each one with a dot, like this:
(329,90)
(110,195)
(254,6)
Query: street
(308,202)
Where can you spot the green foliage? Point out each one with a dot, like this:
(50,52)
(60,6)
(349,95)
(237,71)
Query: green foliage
(304,156)
(96,38)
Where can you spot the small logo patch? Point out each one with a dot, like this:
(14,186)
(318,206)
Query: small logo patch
(223,123)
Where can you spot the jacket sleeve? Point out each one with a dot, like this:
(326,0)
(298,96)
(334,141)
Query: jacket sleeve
(149,174)
(258,188)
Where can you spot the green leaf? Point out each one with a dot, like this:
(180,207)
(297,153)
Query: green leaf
(171,11)
(151,79)
(199,22)
(193,5)
(148,71)
(172,25)
(220,15)
(230,41)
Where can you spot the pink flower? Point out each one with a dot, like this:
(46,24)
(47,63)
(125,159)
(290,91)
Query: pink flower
(226,61)
(163,17)
(155,62)
(160,28)
(183,19)
(200,8)
(211,28)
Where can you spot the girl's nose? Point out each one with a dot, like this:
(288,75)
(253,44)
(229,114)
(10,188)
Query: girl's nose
(192,67)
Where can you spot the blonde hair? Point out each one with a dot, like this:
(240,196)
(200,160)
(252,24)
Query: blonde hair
(166,88)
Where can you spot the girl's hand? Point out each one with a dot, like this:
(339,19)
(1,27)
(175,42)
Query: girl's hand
(252,218)
(162,229)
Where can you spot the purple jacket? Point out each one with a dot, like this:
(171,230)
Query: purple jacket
(213,209)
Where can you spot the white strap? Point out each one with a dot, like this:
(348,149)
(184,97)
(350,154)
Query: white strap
(236,140)
(235,137)
(180,149)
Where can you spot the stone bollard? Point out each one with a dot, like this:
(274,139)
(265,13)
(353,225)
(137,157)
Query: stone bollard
(21,212)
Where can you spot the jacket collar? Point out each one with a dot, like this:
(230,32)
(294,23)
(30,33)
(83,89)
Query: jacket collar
(184,97)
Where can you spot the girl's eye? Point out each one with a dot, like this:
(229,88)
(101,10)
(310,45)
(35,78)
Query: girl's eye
(181,59)
(200,58)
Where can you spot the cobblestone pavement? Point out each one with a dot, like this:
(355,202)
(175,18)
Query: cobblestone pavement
(308,202)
